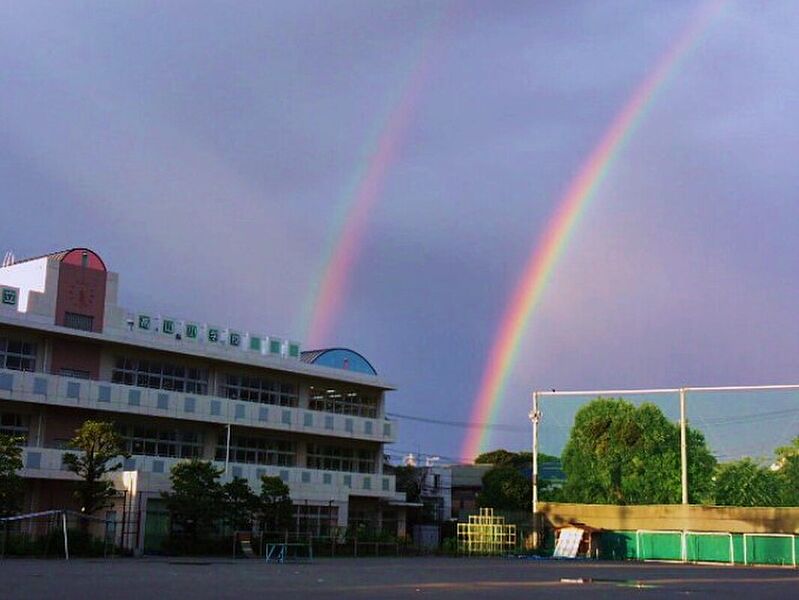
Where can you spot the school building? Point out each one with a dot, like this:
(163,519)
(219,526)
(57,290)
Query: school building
(176,389)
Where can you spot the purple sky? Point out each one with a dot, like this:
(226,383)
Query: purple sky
(203,149)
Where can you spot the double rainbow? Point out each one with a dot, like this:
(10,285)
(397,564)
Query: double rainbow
(561,226)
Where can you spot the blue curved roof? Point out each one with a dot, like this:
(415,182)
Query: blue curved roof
(339,358)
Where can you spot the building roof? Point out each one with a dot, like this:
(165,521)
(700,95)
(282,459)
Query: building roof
(58,255)
(339,358)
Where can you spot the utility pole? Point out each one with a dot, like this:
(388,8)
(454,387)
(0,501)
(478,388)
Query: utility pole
(683,448)
(535,417)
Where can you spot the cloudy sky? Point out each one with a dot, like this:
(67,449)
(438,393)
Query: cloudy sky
(207,150)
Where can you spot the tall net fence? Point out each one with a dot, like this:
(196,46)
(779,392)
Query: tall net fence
(758,423)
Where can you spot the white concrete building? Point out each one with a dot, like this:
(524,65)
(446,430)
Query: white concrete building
(177,389)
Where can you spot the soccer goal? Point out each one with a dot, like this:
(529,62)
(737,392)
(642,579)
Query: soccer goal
(56,534)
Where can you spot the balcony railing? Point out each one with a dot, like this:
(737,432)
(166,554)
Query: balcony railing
(48,463)
(43,388)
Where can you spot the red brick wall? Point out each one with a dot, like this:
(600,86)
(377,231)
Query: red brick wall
(81,289)
(78,356)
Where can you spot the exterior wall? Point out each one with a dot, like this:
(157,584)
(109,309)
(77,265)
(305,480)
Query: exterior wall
(75,356)
(674,517)
(29,276)
(81,289)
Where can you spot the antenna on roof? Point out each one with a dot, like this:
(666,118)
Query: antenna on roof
(9,258)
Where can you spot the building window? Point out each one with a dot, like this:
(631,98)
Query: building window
(167,443)
(257,389)
(315,519)
(17,355)
(78,321)
(258,451)
(74,374)
(343,402)
(158,375)
(336,458)
(15,425)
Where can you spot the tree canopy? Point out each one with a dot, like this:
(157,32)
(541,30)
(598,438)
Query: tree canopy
(10,482)
(745,483)
(99,447)
(508,485)
(275,504)
(618,453)
(197,498)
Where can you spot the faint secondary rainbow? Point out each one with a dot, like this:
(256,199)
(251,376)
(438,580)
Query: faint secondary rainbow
(571,207)
(326,297)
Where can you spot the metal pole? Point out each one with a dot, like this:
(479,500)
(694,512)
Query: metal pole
(535,416)
(683,448)
(227,448)
(66,539)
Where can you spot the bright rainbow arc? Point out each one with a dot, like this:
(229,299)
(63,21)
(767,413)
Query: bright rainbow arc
(325,300)
(560,227)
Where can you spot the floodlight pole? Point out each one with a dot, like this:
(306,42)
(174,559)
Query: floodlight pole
(683,448)
(535,417)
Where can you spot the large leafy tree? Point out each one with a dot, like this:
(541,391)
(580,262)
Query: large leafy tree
(788,472)
(240,504)
(196,501)
(745,483)
(274,506)
(508,485)
(618,453)
(100,448)
(11,489)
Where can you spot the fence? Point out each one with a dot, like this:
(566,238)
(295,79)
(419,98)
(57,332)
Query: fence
(701,547)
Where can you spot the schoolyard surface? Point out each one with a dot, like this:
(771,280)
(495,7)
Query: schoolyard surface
(162,578)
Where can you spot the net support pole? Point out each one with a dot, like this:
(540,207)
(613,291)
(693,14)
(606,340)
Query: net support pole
(535,416)
(683,448)
(66,537)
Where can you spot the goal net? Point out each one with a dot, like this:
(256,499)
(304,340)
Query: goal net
(56,534)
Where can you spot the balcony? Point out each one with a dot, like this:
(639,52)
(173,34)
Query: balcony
(305,484)
(43,388)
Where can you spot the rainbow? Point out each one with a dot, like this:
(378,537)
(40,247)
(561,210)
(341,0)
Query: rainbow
(324,302)
(568,212)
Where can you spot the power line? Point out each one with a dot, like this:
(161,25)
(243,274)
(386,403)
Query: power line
(461,424)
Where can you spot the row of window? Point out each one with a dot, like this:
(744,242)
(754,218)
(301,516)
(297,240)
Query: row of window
(17,355)
(337,458)
(167,443)
(257,389)
(258,451)
(160,375)
(347,402)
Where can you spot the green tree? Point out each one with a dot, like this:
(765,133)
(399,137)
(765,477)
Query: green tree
(506,488)
(409,480)
(274,506)
(788,472)
(100,446)
(508,485)
(618,453)
(11,488)
(240,503)
(745,483)
(197,498)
